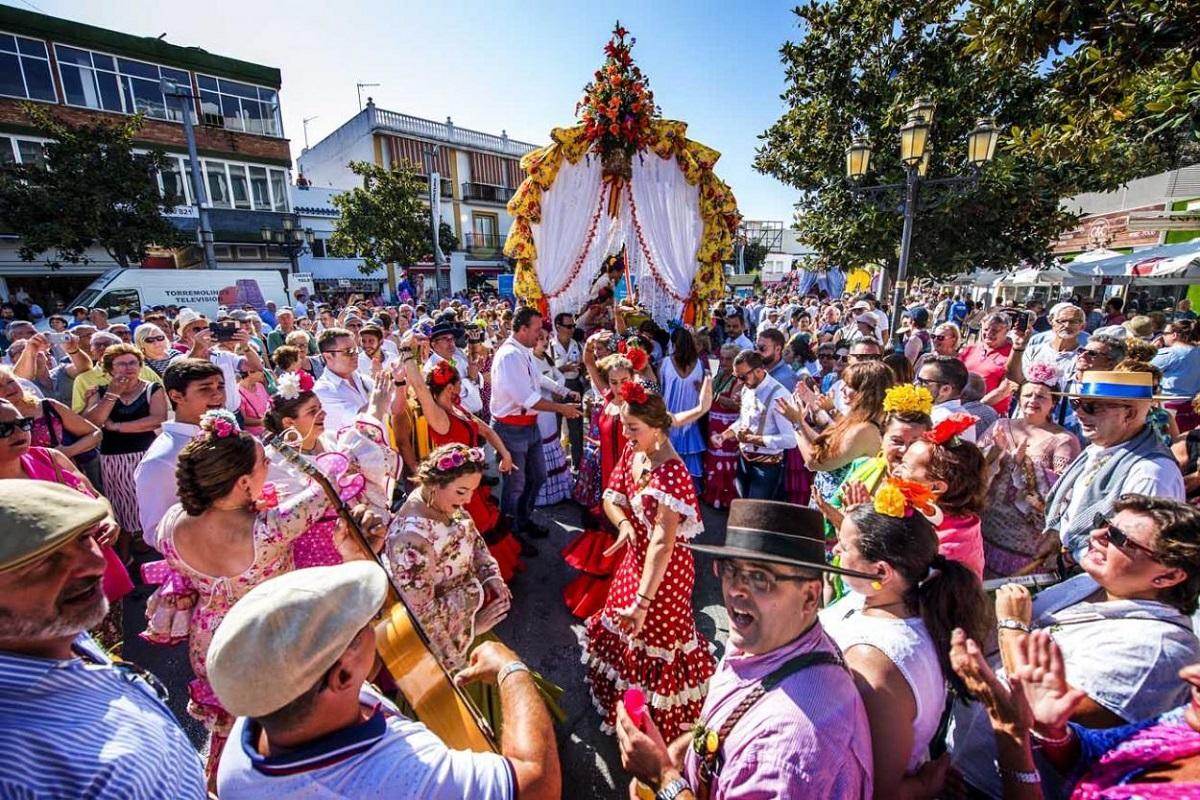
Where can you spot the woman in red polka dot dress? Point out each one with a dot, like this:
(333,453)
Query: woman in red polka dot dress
(645,636)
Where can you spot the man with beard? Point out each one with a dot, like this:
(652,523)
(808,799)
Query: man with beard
(761,428)
(770,347)
(73,723)
(782,717)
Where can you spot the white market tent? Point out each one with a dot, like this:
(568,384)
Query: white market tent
(1167,264)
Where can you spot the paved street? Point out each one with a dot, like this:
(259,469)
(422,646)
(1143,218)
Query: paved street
(540,629)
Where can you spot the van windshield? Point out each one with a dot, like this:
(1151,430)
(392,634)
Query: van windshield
(86,298)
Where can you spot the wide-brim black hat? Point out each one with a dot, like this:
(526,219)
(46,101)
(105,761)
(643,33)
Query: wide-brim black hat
(779,533)
(445,328)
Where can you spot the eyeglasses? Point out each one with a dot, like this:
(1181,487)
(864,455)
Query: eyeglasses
(1071,321)
(760,581)
(866,356)
(350,351)
(1093,407)
(843,358)
(155,339)
(566,324)
(1118,537)
(919,381)
(1090,354)
(7,428)
(742,376)
(941,337)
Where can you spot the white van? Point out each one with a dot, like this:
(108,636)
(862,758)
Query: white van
(120,291)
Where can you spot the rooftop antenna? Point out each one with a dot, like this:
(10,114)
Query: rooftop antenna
(360,87)
(305,122)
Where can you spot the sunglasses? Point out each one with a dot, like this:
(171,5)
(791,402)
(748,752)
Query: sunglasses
(566,325)
(1118,537)
(1092,407)
(350,351)
(941,337)
(7,428)
(1085,353)
(866,356)
(155,339)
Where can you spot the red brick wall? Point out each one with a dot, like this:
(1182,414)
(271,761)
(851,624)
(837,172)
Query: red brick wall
(213,141)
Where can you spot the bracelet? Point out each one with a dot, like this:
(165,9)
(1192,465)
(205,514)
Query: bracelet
(1043,741)
(509,669)
(672,789)
(1010,624)
(1018,775)
(623,522)
(1018,349)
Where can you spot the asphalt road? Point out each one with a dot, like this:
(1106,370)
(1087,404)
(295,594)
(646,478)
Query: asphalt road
(539,628)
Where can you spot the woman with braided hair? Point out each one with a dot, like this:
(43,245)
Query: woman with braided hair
(221,540)
(645,636)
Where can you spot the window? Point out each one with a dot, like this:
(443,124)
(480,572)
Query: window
(218,184)
(258,185)
(223,252)
(229,185)
(247,253)
(25,69)
(31,152)
(240,106)
(120,302)
(318,248)
(6,151)
(279,189)
(96,80)
(239,186)
(174,182)
(485,225)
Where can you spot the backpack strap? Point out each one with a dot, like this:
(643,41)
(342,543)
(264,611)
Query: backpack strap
(708,744)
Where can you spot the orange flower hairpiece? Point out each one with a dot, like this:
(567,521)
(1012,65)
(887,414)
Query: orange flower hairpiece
(950,427)
(898,497)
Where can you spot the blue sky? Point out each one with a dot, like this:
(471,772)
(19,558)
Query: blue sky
(494,65)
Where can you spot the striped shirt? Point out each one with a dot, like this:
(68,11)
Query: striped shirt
(82,728)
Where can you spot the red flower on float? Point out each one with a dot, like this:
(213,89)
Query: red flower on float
(619,92)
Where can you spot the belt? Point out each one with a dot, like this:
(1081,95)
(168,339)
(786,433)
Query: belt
(762,458)
(519,419)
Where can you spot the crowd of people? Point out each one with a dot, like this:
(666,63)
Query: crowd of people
(960,558)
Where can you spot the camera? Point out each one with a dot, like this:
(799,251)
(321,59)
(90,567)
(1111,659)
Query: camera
(223,331)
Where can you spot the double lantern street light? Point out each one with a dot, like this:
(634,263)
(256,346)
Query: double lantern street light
(914,154)
(293,240)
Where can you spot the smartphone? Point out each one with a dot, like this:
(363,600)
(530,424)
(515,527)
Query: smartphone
(1021,324)
(56,337)
(223,331)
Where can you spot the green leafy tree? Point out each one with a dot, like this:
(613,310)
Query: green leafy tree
(753,256)
(386,220)
(92,190)
(1122,78)
(855,69)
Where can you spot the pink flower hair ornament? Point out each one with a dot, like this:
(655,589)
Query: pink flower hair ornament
(459,456)
(218,424)
(1042,372)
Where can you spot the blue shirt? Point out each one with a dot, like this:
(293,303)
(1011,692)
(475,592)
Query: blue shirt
(1180,365)
(958,312)
(82,728)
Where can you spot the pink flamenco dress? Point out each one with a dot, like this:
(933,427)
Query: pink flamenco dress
(667,659)
(188,605)
(360,463)
(585,594)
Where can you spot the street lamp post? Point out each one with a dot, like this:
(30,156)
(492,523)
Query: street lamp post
(204,233)
(914,155)
(294,240)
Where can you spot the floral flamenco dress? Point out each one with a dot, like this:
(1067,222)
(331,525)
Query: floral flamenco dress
(585,595)
(360,463)
(720,462)
(441,568)
(667,659)
(588,482)
(189,605)
(483,508)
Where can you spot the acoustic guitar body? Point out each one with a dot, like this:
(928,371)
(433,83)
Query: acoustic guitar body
(426,685)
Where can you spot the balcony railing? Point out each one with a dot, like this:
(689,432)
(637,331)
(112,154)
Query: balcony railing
(486,193)
(447,132)
(484,245)
(446,184)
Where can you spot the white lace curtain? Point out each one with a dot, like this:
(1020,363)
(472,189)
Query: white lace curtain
(568,207)
(668,210)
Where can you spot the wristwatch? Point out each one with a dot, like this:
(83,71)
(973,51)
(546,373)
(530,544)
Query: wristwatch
(1010,624)
(672,789)
(509,669)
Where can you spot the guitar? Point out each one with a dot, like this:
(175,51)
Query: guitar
(404,646)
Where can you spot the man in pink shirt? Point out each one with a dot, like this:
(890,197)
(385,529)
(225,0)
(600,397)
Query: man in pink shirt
(988,359)
(783,717)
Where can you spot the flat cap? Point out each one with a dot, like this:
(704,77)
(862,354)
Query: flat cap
(278,640)
(39,517)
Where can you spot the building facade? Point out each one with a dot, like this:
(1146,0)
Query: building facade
(478,174)
(85,74)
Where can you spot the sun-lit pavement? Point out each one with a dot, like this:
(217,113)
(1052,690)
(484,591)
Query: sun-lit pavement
(540,629)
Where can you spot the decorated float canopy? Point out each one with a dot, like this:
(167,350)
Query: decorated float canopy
(623,181)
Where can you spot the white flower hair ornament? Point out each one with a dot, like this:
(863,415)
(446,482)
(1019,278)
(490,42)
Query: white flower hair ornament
(287,386)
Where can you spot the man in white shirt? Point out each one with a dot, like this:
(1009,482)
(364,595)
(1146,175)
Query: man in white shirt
(762,429)
(310,726)
(193,386)
(735,328)
(945,377)
(568,359)
(516,399)
(443,347)
(344,393)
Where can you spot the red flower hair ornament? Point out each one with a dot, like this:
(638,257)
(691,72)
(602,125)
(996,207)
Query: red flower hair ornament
(443,373)
(950,428)
(634,392)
